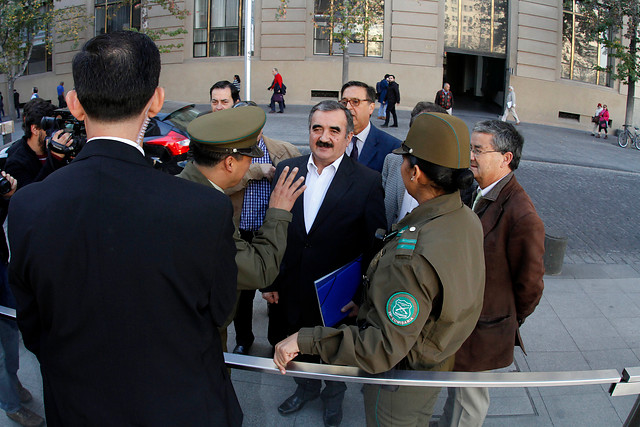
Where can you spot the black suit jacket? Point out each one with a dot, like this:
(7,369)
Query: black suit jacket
(122,275)
(352,211)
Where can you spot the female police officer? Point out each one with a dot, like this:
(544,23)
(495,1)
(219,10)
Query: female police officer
(425,287)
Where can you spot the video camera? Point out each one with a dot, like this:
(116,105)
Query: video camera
(65,121)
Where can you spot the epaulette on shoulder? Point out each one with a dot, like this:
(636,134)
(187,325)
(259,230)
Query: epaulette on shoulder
(406,242)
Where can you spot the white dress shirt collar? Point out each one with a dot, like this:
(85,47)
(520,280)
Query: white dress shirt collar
(123,140)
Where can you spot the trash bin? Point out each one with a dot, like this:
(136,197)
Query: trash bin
(7,129)
(554,249)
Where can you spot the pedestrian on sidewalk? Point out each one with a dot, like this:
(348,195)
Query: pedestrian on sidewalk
(1,106)
(279,91)
(393,98)
(511,106)
(236,84)
(444,98)
(16,102)
(596,119)
(381,90)
(603,121)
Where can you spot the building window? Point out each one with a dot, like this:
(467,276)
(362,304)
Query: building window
(579,55)
(366,43)
(40,60)
(116,15)
(217,28)
(476,25)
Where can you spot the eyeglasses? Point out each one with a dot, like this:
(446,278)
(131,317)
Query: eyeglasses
(353,101)
(477,152)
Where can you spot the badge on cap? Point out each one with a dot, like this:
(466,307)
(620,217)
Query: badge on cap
(402,309)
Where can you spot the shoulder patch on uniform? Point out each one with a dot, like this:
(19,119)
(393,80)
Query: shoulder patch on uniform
(402,309)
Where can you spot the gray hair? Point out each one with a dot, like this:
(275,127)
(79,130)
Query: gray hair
(506,138)
(332,106)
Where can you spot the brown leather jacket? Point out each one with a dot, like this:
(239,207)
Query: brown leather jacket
(513,248)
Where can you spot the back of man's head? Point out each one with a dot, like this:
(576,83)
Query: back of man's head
(33,113)
(116,74)
(425,107)
(505,138)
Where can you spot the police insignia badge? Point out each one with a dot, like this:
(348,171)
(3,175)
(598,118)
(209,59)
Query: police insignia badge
(402,309)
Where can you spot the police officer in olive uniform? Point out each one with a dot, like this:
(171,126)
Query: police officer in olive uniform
(223,145)
(425,287)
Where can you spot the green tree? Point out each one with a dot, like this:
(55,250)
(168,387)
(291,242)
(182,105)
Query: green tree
(614,23)
(344,22)
(22,22)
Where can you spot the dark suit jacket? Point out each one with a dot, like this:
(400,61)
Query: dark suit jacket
(352,211)
(376,148)
(122,275)
(513,251)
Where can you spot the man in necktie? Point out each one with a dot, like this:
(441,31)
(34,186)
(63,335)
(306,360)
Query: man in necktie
(369,144)
(513,250)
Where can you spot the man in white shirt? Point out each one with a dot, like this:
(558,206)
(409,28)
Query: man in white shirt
(333,223)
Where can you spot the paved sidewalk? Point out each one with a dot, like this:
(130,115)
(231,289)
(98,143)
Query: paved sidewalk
(589,317)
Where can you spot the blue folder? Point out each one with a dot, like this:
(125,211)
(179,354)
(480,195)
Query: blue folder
(336,289)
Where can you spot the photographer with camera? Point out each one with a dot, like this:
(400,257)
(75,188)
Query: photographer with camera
(29,160)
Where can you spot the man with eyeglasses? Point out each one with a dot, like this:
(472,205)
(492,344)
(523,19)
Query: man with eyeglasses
(513,250)
(369,145)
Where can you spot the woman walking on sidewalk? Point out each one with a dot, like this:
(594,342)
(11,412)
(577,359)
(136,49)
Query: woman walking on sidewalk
(604,122)
(596,119)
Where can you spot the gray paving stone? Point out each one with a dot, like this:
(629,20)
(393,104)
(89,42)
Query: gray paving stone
(546,334)
(573,304)
(594,334)
(569,410)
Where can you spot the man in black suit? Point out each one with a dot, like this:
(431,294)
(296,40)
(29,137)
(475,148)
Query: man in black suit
(121,273)
(369,145)
(333,223)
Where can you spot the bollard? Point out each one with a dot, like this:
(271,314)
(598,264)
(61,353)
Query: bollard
(7,129)
(554,249)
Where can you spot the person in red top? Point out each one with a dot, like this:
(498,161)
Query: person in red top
(278,94)
(604,122)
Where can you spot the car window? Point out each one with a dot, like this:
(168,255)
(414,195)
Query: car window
(182,118)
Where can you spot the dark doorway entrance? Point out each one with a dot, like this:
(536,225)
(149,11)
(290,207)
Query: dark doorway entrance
(477,82)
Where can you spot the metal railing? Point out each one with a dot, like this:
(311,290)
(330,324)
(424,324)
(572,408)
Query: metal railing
(621,385)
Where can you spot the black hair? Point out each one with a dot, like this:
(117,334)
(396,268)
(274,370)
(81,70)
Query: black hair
(223,84)
(386,76)
(329,105)
(205,157)
(116,74)
(33,113)
(505,138)
(371,92)
(237,77)
(448,179)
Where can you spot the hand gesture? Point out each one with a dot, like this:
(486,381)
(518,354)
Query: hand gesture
(286,191)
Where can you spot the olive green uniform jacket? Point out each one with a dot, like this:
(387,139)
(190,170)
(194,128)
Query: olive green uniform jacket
(423,299)
(258,261)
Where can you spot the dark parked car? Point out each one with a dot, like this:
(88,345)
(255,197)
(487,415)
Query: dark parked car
(166,141)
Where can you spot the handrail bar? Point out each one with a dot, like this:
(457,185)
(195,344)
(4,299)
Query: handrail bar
(426,378)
